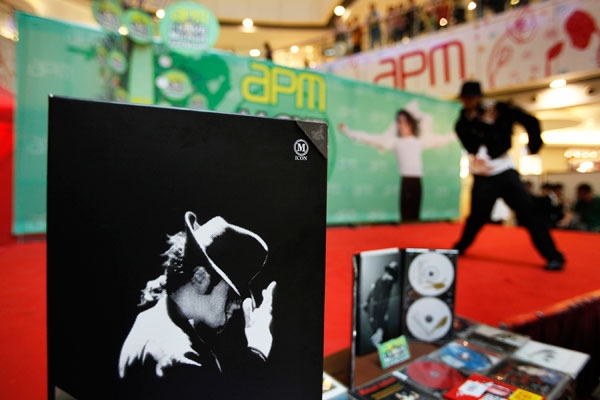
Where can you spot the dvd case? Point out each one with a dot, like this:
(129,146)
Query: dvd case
(389,387)
(429,374)
(495,339)
(377,308)
(543,381)
(558,358)
(186,253)
(467,357)
(477,387)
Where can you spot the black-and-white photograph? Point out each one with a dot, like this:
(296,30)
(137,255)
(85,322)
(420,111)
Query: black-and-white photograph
(377,304)
(186,253)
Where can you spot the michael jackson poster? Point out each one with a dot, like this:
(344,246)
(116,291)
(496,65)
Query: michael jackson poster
(186,253)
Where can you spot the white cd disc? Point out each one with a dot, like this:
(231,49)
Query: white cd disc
(431,274)
(428,319)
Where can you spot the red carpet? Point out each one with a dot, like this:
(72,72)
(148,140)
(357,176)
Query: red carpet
(499,279)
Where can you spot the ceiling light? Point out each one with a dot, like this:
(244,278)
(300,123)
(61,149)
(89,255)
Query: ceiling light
(247,23)
(558,83)
(443,22)
(586,166)
(294,49)
(339,10)
(160,13)
(254,53)
(566,137)
(472,5)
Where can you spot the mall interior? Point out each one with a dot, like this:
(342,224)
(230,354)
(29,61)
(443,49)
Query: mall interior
(542,56)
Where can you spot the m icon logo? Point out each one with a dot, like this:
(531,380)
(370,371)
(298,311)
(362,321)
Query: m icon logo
(301,150)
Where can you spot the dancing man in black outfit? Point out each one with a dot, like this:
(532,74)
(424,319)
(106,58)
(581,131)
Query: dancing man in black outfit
(486,136)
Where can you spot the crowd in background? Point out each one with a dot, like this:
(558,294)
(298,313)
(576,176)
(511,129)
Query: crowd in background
(582,214)
(407,19)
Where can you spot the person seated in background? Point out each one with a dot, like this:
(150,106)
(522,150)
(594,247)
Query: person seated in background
(585,214)
(553,206)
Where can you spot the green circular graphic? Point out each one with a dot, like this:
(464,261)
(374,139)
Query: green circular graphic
(117,61)
(108,14)
(140,26)
(198,101)
(189,28)
(121,94)
(174,84)
(102,54)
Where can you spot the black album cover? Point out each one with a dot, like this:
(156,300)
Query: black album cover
(496,339)
(534,378)
(389,387)
(428,296)
(186,253)
(377,299)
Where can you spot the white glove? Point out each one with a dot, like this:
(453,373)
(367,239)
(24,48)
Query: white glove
(377,337)
(258,322)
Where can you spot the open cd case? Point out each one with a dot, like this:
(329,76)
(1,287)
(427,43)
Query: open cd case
(403,291)
(428,295)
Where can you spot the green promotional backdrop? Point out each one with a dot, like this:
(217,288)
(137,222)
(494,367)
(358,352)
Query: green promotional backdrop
(363,182)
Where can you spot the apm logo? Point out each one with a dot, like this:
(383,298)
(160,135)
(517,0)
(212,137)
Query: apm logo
(301,150)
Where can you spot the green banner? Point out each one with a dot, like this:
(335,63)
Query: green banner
(363,178)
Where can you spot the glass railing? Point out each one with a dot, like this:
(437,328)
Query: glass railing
(396,28)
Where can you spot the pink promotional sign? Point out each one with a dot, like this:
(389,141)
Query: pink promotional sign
(519,46)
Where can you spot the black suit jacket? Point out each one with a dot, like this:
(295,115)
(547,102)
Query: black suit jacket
(497,137)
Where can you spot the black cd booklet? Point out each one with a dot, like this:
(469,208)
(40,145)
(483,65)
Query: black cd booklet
(377,298)
(186,253)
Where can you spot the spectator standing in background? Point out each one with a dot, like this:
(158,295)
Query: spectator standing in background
(412,19)
(268,51)
(442,13)
(401,24)
(357,35)
(459,14)
(390,24)
(374,26)
(341,37)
